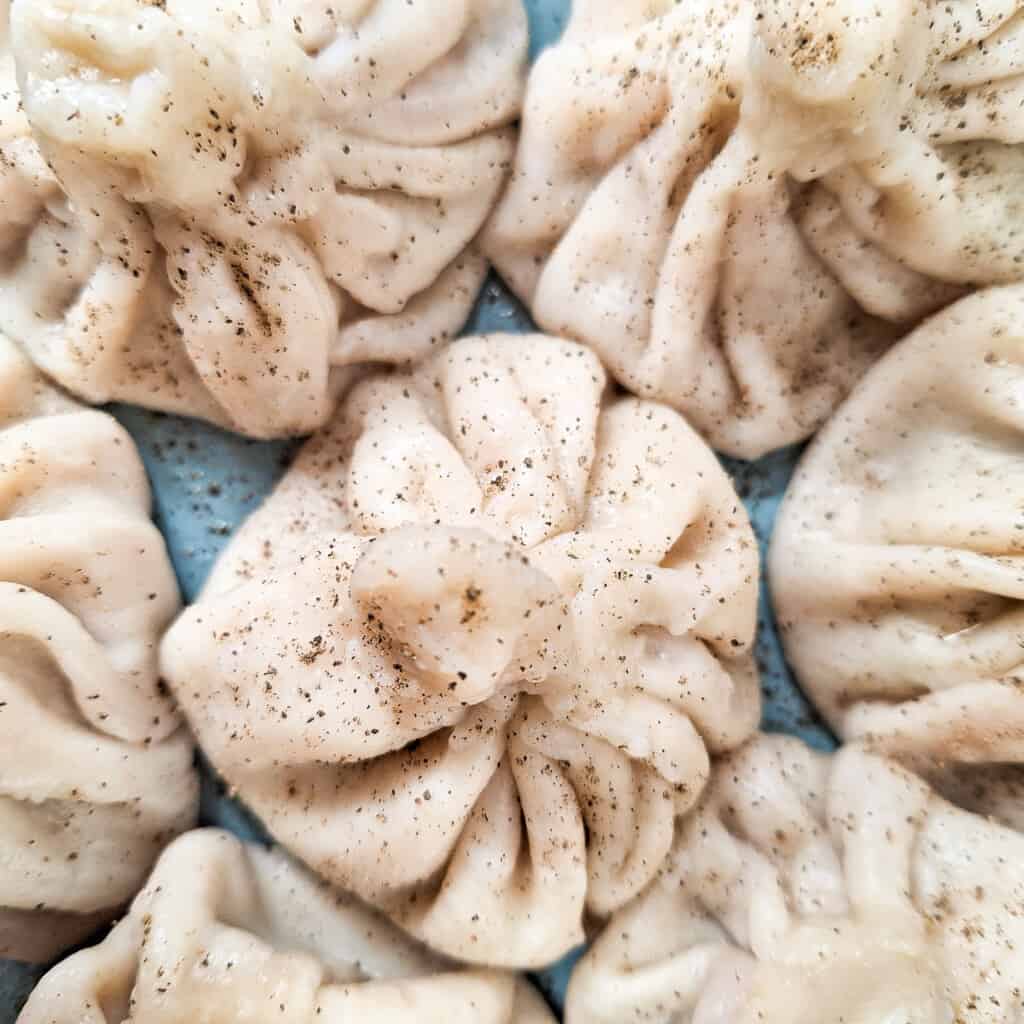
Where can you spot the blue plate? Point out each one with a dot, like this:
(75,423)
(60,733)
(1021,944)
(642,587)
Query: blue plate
(205,482)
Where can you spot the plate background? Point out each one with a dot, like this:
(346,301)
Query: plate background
(205,482)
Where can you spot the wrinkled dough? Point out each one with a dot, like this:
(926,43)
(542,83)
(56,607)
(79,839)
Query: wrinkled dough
(471,657)
(78,671)
(218,211)
(898,558)
(817,889)
(229,932)
(741,205)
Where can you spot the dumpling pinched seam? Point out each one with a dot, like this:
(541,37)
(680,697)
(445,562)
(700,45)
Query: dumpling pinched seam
(817,889)
(897,565)
(95,768)
(217,209)
(741,205)
(469,660)
(226,932)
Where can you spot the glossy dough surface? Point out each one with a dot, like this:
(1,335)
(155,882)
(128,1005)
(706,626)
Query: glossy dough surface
(217,208)
(228,933)
(741,204)
(898,559)
(95,769)
(471,656)
(818,889)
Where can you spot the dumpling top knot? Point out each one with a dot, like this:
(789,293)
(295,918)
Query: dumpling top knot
(470,613)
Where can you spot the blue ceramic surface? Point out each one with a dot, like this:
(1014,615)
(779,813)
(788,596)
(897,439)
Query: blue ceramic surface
(205,482)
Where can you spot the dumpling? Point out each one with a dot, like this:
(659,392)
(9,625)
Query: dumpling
(741,204)
(469,660)
(248,198)
(95,769)
(897,565)
(226,933)
(818,889)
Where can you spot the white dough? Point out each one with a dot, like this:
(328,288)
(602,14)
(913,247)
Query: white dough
(226,933)
(240,201)
(897,564)
(740,204)
(818,889)
(470,658)
(95,768)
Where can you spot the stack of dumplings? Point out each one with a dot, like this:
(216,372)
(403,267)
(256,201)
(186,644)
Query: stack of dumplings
(482,664)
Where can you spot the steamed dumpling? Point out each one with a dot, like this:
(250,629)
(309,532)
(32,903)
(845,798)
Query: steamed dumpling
(240,200)
(741,204)
(95,769)
(226,933)
(469,660)
(898,559)
(818,889)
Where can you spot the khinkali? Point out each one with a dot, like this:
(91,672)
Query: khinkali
(95,769)
(469,659)
(818,889)
(741,203)
(226,933)
(897,565)
(239,200)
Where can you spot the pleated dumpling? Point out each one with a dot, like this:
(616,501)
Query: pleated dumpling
(226,932)
(469,659)
(95,768)
(741,204)
(818,889)
(240,200)
(897,566)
